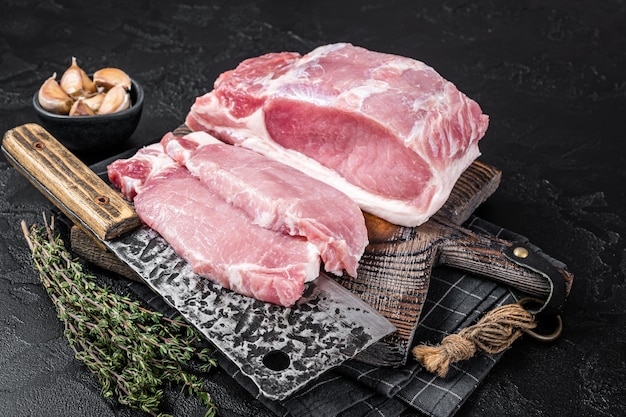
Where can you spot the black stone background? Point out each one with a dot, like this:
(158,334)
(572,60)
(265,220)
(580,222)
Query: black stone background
(551,75)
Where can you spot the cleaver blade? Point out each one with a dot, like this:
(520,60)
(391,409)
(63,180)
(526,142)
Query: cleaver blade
(280,349)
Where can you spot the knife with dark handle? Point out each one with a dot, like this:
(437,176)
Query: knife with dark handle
(279,349)
(394,274)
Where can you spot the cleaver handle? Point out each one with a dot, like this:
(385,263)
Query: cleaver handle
(74,188)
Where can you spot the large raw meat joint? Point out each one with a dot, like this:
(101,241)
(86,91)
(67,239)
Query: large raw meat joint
(387,131)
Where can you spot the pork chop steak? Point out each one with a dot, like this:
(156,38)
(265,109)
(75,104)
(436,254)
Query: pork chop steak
(218,240)
(386,130)
(277,197)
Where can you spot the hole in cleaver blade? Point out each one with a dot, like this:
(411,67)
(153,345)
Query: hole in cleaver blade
(276,360)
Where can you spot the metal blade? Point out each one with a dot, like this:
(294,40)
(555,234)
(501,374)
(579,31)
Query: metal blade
(280,349)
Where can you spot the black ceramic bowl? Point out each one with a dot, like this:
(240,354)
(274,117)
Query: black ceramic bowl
(93,133)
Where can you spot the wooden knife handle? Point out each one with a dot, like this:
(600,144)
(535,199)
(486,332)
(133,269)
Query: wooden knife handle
(68,182)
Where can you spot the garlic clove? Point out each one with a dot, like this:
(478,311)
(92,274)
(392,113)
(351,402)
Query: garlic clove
(89,87)
(109,77)
(80,108)
(94,101)
(116,99)
(53,98)
(72,80)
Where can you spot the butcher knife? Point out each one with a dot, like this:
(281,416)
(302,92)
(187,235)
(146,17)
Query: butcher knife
(280,349)
(394,272)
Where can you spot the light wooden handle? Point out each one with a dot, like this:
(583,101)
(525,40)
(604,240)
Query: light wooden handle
(75,189)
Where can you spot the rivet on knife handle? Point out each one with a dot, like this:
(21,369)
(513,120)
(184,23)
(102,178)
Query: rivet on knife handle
(68,182)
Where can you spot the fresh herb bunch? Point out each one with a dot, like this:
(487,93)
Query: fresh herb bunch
(131,350)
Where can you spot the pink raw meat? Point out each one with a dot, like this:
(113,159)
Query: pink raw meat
(386,130)
(216,239)
(277,197)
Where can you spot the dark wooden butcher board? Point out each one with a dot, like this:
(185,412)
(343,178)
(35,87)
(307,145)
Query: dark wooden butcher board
(394,272)
(388,278)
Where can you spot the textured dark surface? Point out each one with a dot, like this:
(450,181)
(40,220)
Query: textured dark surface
(550,74)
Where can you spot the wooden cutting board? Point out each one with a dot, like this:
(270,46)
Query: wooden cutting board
(394,272)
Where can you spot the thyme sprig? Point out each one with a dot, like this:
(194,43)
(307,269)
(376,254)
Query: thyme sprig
(132,351)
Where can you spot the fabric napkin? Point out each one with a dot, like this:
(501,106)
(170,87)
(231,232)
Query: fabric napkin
(455,300)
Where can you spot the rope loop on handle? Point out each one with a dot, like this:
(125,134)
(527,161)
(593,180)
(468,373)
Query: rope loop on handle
(493,333)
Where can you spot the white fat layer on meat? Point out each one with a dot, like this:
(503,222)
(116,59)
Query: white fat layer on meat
(267,219)
(313,267)
(326,49)
(131,184)
(305,93)
(354,97)
(153,155)
(204,138)
(291,222)
(233,277)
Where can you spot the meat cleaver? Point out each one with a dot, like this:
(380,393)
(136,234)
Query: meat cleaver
(279,349)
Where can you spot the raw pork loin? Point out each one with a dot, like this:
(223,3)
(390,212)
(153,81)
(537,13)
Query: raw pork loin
(386,130)
(277,197)
(216,239)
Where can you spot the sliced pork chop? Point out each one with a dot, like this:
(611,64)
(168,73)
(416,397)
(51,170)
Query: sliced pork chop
(277,197)
(216,239)
(386,130)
